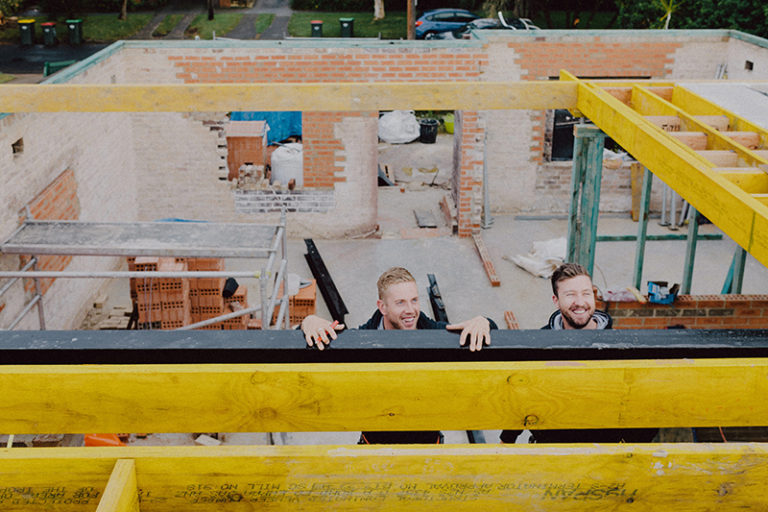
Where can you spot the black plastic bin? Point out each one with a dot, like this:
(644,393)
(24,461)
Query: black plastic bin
(27,32)
(317,28)
(75,28)
(49,33)
(428,130)
(347,27)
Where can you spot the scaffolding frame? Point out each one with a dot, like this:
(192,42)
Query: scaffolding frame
(162,239)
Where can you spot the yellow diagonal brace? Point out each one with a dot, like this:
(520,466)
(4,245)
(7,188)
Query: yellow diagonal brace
(739,215)
(314,97)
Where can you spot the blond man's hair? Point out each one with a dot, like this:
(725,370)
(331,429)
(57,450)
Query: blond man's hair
(394,275)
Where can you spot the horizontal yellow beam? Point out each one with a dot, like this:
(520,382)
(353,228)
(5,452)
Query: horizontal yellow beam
(680,477)
(392,396)
(121,493)
(739,215)
(314,97)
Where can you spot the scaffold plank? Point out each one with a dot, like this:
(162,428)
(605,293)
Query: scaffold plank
(384,396)
(680,477)
(310,97)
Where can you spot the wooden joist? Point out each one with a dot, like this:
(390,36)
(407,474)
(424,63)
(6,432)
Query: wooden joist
(485,257)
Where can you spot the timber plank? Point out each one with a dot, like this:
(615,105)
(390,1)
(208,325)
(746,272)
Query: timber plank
(384,396)
(681,477)
(121,493)
(315,97)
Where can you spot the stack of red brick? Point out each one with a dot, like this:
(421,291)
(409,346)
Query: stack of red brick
(170,303)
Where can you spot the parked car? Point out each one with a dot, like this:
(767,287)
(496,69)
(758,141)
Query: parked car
(517,23)
(463,32)
(486,24)
(437,21)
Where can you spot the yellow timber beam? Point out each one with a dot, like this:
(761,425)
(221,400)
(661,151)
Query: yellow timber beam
(740,216)
(391,396)
(647,103)
(314,97)
(695,104)
(121,493)
(680,477)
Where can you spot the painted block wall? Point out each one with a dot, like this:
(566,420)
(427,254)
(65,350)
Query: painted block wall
(106,191)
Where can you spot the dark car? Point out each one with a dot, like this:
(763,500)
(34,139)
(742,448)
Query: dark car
(486,24)
(442,20)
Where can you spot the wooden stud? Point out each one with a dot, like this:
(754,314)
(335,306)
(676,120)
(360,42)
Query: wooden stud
(121,493)
(750,140)
(485,257)
(694,140)
(720,158)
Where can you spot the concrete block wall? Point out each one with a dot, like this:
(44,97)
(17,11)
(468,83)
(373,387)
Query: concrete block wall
(743,49)
(693,312)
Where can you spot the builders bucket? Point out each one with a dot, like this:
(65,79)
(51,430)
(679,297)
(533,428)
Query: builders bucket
(428,130)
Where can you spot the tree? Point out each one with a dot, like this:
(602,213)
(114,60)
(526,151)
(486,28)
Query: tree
(123,11)
(378,9)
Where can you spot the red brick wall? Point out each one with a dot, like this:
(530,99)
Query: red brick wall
(597,57)
(694,312)
(57,202)
(323,151)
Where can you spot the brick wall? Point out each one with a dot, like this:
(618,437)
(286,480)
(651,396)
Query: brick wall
(693,312)
(57,202)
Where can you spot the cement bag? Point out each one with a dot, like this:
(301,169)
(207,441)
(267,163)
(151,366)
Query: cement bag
(399,127)
(287,164)
(544,259)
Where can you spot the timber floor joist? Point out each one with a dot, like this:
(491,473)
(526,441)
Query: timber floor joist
(714,159)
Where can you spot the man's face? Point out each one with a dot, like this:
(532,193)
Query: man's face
(575,299)
(400,306)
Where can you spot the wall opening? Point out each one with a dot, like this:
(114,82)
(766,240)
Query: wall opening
(415,177)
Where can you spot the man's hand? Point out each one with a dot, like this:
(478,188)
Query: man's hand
(318,331)
(477,330)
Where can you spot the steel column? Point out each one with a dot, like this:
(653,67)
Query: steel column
(642,227)
(585,194)
(690,251)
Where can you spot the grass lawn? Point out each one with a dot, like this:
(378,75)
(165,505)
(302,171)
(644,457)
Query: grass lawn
(97,28)
(106,28)
(393,26)
(5,78)
(263,22)
(168,23)
(221,24)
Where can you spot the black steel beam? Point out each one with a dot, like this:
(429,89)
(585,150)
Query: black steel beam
(330,294)
(200,347)
(436,300)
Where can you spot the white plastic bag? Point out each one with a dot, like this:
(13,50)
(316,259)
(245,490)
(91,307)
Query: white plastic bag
(288,163)
(399,127)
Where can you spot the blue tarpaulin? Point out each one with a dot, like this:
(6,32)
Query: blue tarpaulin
(281,124)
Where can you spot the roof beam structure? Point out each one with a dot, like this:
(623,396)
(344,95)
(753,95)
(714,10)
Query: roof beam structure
(642,123)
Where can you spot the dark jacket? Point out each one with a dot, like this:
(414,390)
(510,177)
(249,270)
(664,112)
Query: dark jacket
(603,319)
(410,436)
(603,435)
